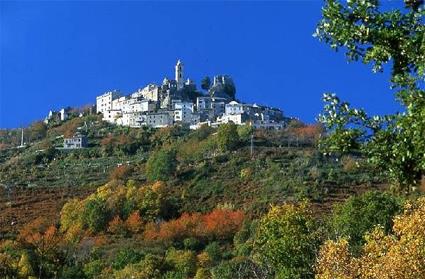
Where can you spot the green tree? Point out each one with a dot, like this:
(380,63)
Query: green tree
(93,268)
(161,165)
(394,143)
(287,241)
(359,215)
(96,215)
(126,256)
(206,83)
(182,261)
(148,268)
(227,137)
(214,252)
(245,132)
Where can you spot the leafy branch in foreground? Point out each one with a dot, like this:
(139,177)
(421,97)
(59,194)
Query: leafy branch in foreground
(393,143)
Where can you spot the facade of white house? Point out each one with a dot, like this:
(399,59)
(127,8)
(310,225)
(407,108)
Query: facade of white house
(104,101)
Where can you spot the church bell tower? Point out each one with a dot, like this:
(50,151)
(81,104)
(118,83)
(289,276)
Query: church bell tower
(179,74)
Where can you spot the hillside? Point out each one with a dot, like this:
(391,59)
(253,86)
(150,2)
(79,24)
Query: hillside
(285,165)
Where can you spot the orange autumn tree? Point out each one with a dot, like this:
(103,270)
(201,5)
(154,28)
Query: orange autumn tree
(223,223)
(218,224)
(44,239)
(134,222)
(400,254)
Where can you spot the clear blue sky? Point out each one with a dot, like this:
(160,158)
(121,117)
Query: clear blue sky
(56,54)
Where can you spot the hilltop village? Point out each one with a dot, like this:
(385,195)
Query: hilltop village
(177,101)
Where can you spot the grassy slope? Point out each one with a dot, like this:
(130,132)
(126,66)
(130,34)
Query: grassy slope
(275,174)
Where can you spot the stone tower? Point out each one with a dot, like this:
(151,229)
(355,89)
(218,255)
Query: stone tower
(179,74)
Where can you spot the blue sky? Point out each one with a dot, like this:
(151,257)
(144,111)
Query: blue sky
(58,53)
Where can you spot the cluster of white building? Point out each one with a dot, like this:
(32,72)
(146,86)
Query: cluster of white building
(178,102)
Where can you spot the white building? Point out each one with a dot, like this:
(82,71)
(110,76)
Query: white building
(234,108)
(238,119)
(104,101)
(112,115)
(159,119)
(149,92)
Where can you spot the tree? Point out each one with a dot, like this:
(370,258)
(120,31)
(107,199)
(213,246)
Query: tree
(148,268)
(121,172)
(206,83)
(358,215)
(245,132)
(96,215)
(134,223)
(227,137)
(399,254)
(286,241)
(181,261)
(25,266)
(38,130)
(161,165)
(44,239)
(394,143)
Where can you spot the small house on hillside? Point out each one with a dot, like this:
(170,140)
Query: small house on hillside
(77,141)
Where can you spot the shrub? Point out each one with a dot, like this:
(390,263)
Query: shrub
(245,132)
(121,172)
(181,261)
(94,268)
(358,215)
(202,273)
(124,257)
(214,252)
(148,268)
(134,222)
(116,226)
(218,224)
(161,165)
(96,215)
(239,268)
(287,241)
(227,137)
(192,244)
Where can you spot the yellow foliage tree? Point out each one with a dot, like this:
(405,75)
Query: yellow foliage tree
(24,266)
(400,254)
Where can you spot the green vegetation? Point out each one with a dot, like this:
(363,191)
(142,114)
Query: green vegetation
(393,143)
(161,165)
(359,214)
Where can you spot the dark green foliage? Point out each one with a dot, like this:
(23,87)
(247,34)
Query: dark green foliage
(96,215)
(241,267)
(126,256)
(214,252)
(360,214)
(192,244)
(206,83)
(243,240)
(161,165)
(94,268)
(72,272)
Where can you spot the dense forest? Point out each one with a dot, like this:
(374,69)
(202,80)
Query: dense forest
(341,198)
